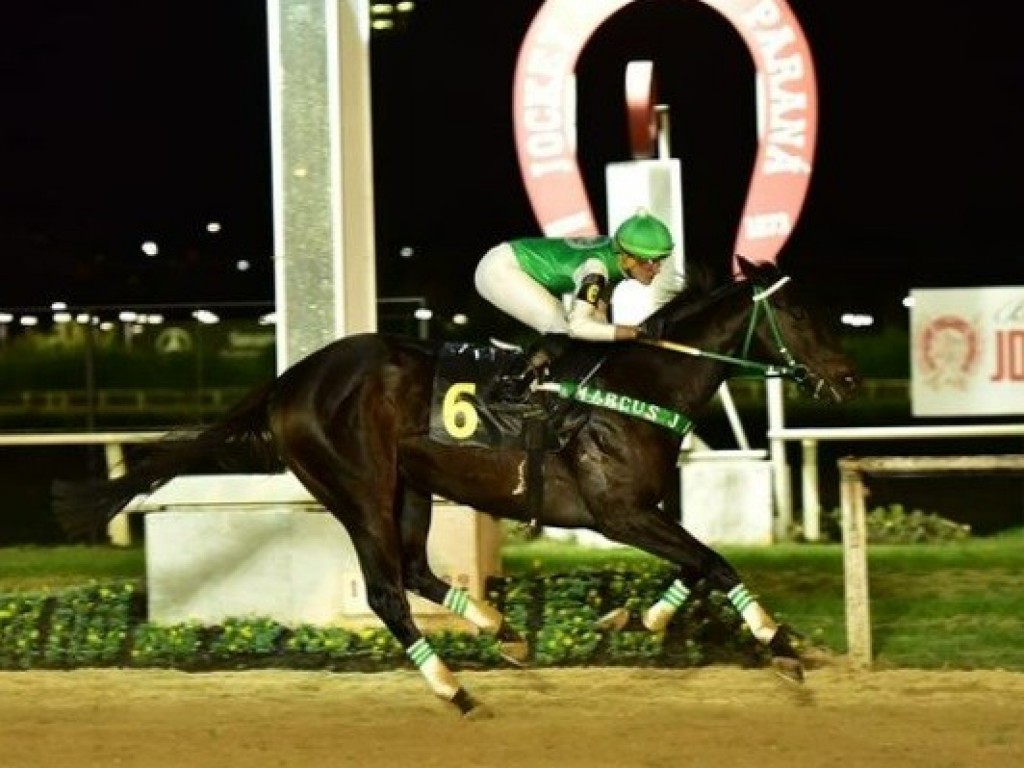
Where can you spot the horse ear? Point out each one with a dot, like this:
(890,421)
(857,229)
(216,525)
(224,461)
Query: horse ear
(747,267)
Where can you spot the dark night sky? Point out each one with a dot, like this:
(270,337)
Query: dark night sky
(125,120)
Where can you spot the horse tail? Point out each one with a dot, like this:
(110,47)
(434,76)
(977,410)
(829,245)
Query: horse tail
(83,508)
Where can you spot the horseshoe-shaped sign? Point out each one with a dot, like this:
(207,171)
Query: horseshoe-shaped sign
(787,112)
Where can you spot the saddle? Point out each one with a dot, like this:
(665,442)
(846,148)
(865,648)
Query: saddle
(464,412)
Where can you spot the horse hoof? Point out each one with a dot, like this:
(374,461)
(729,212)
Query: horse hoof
(613,621)
(469,707)
(790,670)
(514,652)
(479,712)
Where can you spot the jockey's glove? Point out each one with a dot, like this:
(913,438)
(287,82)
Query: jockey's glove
(651,328)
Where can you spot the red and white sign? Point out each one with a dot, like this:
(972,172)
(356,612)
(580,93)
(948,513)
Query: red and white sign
(544,114)
(967,351)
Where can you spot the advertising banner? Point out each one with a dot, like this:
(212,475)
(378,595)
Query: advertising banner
(967,351)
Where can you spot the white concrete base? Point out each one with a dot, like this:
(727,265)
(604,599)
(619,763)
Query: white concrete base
(727,500)
(213,553)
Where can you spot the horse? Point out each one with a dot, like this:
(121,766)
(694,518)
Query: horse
(351,421)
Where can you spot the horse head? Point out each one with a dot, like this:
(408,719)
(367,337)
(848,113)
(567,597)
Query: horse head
(759,322)
(793,334)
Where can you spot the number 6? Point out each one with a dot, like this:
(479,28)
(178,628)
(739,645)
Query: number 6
(460,417)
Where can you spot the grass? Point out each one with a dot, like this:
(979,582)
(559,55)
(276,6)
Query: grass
(932,606)
(31,568)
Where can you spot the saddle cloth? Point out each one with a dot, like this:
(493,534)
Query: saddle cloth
(461,415)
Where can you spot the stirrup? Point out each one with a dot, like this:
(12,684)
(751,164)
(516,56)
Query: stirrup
(514,389)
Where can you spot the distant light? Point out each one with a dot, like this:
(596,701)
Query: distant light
(205,316)
(406,252)
(106,325)
(405,7)
(857,320)
(150,248)
(213,227)
(6,317)
(423,313)
(908,301)
(382,24)
(382,8)
(28,320)
(61,317)
(83,318)
(128,316)
(58,306)
(242,265)
(154,319)
(460,319)
(268,319)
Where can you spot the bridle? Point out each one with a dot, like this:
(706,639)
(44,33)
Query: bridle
(790,369)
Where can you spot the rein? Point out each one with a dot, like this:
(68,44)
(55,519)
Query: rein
(791,369)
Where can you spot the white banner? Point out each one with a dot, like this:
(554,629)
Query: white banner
(967,351)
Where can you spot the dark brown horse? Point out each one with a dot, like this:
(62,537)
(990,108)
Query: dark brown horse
(351,421)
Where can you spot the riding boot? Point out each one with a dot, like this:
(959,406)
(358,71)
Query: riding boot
(514,387)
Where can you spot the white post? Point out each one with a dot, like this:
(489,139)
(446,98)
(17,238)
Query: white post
(810,500)
(781,485)
(725,395)
(118,530)
(855,564)
(321,153)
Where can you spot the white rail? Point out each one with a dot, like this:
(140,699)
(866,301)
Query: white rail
(118,529)
(78,438)
(809,437)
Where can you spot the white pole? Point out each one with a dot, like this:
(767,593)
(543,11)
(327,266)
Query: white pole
(781,486)
(725,395)
(810,500)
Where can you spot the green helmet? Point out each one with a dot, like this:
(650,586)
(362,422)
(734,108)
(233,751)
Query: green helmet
(644,236)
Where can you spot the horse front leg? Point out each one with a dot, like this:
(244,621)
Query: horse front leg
(654,533)
(778,637)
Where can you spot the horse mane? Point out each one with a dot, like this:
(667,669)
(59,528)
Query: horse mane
(704,286)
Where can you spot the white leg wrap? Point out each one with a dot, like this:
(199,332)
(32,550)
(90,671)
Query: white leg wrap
(440,679)
(762,626)
(478,613)
(660,614)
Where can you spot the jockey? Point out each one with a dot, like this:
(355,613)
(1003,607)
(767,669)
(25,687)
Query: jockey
(528,278)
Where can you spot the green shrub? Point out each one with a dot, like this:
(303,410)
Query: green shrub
(96,625)
(103,624)
(895,525)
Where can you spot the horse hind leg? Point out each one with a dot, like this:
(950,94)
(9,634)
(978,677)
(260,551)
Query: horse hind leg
(387,598)
(512,646)
(421,579)
(360,492)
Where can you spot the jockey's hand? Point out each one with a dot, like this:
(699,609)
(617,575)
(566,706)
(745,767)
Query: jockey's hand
(651,328)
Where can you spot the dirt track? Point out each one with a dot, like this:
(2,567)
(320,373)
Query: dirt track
(562,718)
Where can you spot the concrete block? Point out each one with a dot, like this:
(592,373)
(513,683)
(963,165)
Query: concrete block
(259,546)
(727,501)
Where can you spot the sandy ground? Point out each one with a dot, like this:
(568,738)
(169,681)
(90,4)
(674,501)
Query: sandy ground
(718,717)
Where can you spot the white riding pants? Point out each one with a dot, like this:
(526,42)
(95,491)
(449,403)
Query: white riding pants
(501,281)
